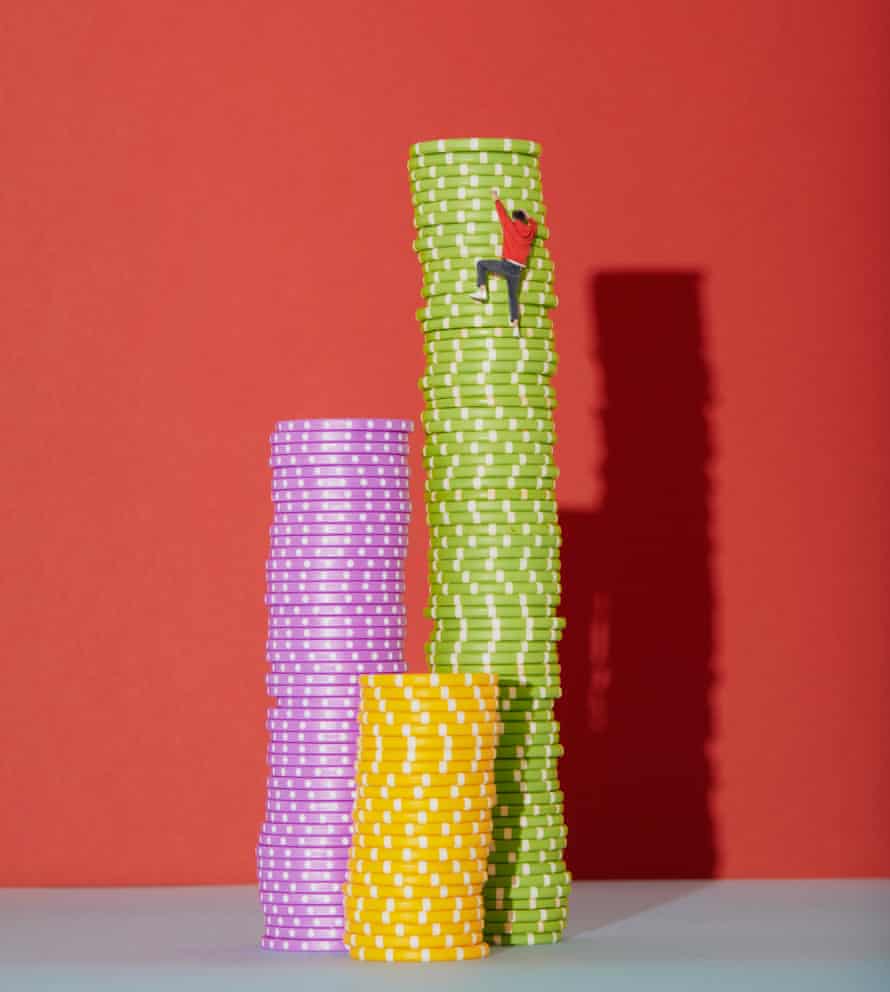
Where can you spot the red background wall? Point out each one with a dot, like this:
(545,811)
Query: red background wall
(206,227)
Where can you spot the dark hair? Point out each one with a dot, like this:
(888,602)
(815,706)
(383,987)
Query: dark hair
(520,215)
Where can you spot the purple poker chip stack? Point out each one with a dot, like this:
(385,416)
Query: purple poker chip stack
(335,583)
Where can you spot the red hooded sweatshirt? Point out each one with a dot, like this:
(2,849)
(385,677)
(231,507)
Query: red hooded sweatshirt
(518,237)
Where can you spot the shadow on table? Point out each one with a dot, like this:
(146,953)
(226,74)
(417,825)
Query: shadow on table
(637,656)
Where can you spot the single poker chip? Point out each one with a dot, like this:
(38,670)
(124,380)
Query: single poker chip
(558,914)
(333,532)
(505,835)
(348,488)
(378,891)
(293,845)
(524,939)
(422,818)
(338,460)
(389,642)
(430,709)
(539,886)
(544,821)
(303,933)
(494,529)
(527,865)
(315,793)
(427,954)
(340,518)
(391,625)
(322,679)
(302,946)
(342,807)
(416,761)
(325,598)
(340,449)
(421,768)
(395,807)
(353,606)
(420,933)
(451,860)
(329,875)
(340,662)
(304,916)
(445,146)
(436,849)
(416,943)
(495,611)
(330,765)
(431,169)
(377,876)
(306,858)
(440,830)
(415,680)
(537,850)
(314,693)
(458,793)
(284,869)
(292,888)
(279,900)
(416,693)
(375,505)
(360,424)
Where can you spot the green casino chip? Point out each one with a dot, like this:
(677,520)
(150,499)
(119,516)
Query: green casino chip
(476,184)
(494,610)
(495,530)
(523,544)
(539,850)
(443,146)
(525,822)
(508,505)
(522,939)
(483,380)
(531,751)
(482,170)
(541,886)
(445,209)
(506,834)
(498,916)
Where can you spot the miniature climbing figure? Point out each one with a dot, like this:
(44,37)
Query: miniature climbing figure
(519,232)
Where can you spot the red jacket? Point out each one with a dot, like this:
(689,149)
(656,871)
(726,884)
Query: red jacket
(518,237)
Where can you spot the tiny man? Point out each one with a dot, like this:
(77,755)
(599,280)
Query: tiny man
(519,233)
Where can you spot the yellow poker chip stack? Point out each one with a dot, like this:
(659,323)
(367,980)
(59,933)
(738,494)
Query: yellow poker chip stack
(425,787)
(494,559)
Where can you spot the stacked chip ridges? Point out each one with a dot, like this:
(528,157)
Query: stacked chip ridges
(335,601)
(425,788)
(494,561)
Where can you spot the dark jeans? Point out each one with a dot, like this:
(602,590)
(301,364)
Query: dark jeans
(511,271)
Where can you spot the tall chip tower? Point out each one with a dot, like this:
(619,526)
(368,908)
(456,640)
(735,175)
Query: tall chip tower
(494,559)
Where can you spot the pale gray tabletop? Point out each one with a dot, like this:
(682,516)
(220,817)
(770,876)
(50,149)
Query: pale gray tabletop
(667,936)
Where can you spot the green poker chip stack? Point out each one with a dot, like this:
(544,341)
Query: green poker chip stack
(494,559)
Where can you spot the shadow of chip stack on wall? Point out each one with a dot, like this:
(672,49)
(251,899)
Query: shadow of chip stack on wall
(638,654)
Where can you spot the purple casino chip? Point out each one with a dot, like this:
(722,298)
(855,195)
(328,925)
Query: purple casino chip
(267,886)
(303,946)
(298,864)
(375,646)
(318,761)
(307,910)
(335,449)
(349,548)
(288,847)
(320,678)
(312,738)
(312,660)
(351,470)
(376,503)
(346,794)
(345,487)
(335,920)
(346,424)
(315,877)
(280,718)
(294,777)
(310,806)
(307,767)
(375,615)
(303,933)
(281,795)
(339,459)
(338,528)
(338,591)
(317,697)
(350,668)
(287,639)
(286,834)
(321,819)
(304,568)
(316,541)
(296,899)
(341,518)
(336,605)
(319,715)
(308,744)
